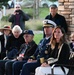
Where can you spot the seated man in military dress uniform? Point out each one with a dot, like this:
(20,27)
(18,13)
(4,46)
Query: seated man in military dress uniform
(41,51)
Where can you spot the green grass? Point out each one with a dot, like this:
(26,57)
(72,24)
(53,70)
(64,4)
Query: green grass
(38,37)
(42,12)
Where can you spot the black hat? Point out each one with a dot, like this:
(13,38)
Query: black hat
(53,6)
(48,23)
(28,32)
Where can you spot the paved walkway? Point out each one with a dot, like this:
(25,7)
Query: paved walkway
(9,11)
(35,32)
(38,32)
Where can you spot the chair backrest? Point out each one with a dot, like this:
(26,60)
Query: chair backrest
(0,46)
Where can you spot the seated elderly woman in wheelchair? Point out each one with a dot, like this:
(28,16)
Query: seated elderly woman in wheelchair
(59,53)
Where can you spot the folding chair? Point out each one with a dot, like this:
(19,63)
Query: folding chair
(61,65)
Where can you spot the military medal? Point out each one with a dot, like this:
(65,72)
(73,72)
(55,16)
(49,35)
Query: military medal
(46,52)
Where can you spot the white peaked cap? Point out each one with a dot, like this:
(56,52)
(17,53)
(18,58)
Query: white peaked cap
(47,22)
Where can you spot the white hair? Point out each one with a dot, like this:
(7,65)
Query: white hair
(17,28)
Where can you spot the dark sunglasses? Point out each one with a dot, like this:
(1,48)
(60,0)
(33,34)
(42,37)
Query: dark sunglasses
(17,7)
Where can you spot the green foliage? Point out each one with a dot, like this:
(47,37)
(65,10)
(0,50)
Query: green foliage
(39,27)
(34,24)
(26,27)
(5,18)
(30,14)
(3,2)
(53,0)
(42,12)
(28,11)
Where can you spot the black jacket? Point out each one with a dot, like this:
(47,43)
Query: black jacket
(42,46)
(59,20)
(13,42)
(64,54)
(23,17)
(31,47)
(3,49)
(2,39)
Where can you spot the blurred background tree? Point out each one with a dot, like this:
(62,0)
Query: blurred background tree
(3,2)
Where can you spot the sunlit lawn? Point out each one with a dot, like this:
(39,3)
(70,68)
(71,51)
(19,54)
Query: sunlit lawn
(38,37)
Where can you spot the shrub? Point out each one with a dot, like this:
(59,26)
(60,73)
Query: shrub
(34,24)
(26,27)
(5,18)
(39,27)
(31,24)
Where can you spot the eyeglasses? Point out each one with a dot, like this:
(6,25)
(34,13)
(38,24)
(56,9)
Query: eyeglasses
(17,7)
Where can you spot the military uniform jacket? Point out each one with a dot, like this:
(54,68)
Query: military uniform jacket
(41,50)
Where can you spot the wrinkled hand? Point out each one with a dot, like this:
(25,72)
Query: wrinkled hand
(44,64)
(19,58)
